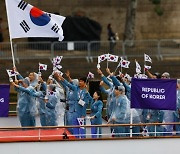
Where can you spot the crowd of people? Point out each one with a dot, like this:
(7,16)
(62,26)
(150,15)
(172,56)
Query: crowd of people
(68,99)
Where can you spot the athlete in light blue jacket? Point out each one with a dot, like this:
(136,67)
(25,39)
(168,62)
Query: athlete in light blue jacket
(96,114)
(121,112)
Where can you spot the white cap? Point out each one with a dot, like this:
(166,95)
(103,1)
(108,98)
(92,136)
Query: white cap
(75,82)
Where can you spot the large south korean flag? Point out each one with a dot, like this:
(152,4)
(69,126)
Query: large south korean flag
(26,20)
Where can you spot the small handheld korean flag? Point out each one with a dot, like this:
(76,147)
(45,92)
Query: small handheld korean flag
(56,62)
(138,68)
(102,58)
(125,63)
(11,73)
(147,58)
(146,67)
(81,122)
(58,59)
(26,20)
(42,67)
(112,58)
(90,75)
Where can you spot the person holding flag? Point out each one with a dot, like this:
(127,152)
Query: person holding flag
(32,83)
(109,92)
(71,99)
(24,103)
(81,101)
(123,81)
(38,94)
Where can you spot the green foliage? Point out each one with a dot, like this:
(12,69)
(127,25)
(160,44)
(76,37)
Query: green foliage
(159,10)
(156,2)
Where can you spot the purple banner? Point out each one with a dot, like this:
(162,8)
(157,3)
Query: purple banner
(153,94)
(4,100)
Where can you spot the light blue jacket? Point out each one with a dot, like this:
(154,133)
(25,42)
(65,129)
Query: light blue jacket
(77,95)
(121,110)
(96,110)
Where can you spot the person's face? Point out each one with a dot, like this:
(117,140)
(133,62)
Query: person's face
(82,83)
(31,76)
(49,81)
(125,79)
(95,96)
(116,92)
(164,77)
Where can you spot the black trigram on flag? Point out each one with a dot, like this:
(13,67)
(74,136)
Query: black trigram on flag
(25,26)
(22,5)
(55,28)
(48,14)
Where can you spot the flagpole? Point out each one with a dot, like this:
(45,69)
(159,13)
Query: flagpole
(12,51)
(117,66)
(131,121)
(115,70)
(107,60)
(39,68)
(107,63)
(144,63)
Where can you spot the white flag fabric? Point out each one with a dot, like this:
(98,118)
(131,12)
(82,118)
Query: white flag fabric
(138,68)
(90,75)
(26,20)
(58,67)
(81,121)
(42,67)
(125,63)
(140,76)
(112,58)
(57,60)
(102,58)
(146,67)
(127,76)
(11,73)
(147,58)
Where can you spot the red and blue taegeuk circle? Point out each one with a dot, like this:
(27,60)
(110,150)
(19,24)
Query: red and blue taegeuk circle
(38,17)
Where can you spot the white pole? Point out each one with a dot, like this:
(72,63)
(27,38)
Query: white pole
(131,121)
(144,64)
(12,51)
(107,63)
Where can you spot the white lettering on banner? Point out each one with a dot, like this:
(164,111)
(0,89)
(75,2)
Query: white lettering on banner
(1,100)
(144,95)
(155,93)
(153,90)
(157,96)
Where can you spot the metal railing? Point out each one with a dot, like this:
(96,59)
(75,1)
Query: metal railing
(92,49)
(54,133)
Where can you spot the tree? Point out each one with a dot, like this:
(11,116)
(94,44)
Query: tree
(129,34)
